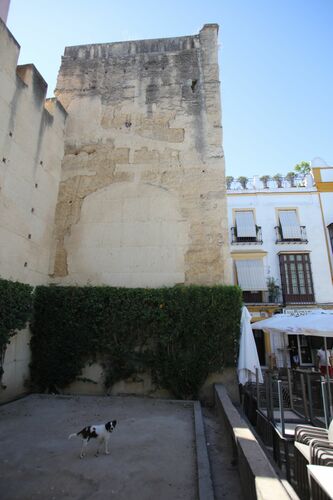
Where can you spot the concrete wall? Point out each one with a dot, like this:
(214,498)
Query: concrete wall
(258,479)
(142,199)
(15,380)
(91,381)
(31,145)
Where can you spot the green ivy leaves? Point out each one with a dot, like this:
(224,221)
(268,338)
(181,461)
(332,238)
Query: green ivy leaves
(16,301)
(178,334)
(15,308)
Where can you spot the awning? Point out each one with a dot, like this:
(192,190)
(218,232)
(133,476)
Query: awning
(290,225)
(250,274)
(245,224)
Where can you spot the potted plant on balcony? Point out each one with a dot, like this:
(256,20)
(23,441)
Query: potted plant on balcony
(264,179)
(273,289)
(243,181)
(229,180)
(291,178)
(278,179)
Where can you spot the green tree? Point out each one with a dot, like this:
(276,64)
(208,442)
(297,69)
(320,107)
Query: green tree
(302,168)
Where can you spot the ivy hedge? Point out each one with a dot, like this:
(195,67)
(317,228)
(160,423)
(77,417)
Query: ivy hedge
(16,303)
(178,334)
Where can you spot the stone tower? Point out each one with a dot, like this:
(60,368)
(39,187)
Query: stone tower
(142,198)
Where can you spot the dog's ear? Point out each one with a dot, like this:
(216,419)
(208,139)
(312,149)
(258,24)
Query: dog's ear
(114,423)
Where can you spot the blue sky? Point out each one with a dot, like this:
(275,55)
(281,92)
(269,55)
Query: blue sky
(275,64)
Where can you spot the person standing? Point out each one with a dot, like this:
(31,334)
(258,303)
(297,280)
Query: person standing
(323,362)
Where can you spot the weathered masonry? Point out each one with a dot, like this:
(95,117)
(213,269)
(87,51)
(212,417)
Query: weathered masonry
(142,196)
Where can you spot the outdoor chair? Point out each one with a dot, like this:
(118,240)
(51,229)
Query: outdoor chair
(311,446)
(321,453)
(306,433)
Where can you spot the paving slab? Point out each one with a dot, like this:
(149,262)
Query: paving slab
(152,450)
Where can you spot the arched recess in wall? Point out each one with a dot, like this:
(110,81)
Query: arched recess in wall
(128,235)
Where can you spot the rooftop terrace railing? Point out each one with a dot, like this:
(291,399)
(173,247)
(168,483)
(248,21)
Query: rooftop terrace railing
(255,184)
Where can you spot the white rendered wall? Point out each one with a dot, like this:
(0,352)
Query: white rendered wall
(308,206)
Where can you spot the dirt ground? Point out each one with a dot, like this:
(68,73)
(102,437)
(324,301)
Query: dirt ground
(152,450)
(224,472)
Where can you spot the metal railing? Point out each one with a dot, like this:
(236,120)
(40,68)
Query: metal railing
(246,240)
(280,239)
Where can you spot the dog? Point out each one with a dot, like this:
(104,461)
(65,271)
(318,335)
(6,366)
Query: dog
(100,432)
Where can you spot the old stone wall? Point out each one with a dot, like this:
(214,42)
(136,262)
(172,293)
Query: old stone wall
(31,146)
(31,150)
(142,198)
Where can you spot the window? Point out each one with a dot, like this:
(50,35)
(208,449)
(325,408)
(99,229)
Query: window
(245,225)
(252,297)
(330,234)
(289,230)
(245,229)
(250,274)
(259,338)
(251,278)
(296,278)
(300,346)
(289,224)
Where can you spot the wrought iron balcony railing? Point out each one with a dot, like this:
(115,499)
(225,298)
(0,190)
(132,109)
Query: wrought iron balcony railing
(281,239)
(261,297)
(246,240)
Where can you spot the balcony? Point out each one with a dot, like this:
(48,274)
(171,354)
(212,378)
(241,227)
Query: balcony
(289,241)
(261,297)
(246,240)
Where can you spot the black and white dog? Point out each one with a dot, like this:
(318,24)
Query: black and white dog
(100,432)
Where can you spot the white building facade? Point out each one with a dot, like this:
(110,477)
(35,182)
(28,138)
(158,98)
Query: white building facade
(281,245)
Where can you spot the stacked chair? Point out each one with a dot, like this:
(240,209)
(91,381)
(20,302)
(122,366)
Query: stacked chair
(313,446)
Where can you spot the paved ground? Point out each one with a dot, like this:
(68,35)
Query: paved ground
(152,449)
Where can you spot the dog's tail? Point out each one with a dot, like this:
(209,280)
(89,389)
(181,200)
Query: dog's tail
(72,435)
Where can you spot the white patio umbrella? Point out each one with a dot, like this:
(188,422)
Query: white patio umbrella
(248,360)
(317,322)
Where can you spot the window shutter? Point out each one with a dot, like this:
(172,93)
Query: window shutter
(290,225)
(250,274)
(245,224)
